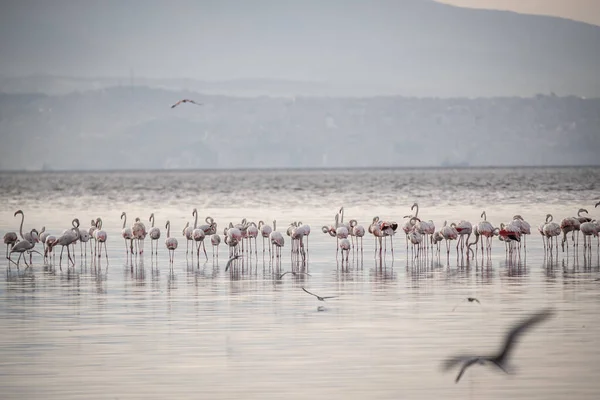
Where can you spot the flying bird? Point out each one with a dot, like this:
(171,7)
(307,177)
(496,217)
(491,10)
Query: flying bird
(185,101)
(230,261)
(319,297)
(469,299)
(498,359)
(293,273)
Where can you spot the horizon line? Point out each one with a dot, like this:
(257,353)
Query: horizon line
(296,169)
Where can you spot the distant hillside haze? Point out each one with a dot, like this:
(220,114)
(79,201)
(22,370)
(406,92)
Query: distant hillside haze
(135,128)
(284,47)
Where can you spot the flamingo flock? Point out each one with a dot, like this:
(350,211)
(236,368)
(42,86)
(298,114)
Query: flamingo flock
(241,237)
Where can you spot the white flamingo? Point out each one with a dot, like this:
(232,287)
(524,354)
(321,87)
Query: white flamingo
(154,234)
(569,224)
(358,231)
(252,233)
(524,228)
(170,243)
(23,246)
(198,235)
(277,241)
(588,229)
(448,233)
(551,230)
(345,247)
(215,240)
(101,238)
(265,232)
(126,233)
(139,234)
(65,240)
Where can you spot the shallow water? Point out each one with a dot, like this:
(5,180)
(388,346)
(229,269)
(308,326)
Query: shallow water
(131,329)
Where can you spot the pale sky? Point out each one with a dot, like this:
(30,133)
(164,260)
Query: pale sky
(579,10)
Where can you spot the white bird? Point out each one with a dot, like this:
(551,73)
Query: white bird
(139,234)
(101,238)
(265,232)
(23,246)
(215,240)
(198,235)
(345,246)
(65,240)
(10,238)
(588,229)
(551,230)
(185,101)
(154,234)
(170,243)
(277,240)
(126,233)
(358,231)
(252,233)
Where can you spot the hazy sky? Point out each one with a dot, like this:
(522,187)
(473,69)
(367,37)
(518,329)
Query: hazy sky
(351,41)
(579,10)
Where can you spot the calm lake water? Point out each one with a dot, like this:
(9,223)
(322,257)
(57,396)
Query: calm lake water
(135,329)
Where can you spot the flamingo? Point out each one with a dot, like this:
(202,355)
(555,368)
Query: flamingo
(10,238)
(583,218)
(101,238)
(84,237)
(215,240)
(252,233)
(265,232)
(198,235)
(23,246)
(358,231)
(277,240)
(415,236)
(65,240)
(43,237)
(407,227)
(126,233)
(551,230)
(27,235)
(170,243)
(345,246)
(50,241)
(306,230)
(569,224)
(486,229)
(509,233)
(588,229)
(139,234)
(185,101)
(92,231)
(154,234)
(233,237)
(187,233)
(463,228)
(448,233)
(524,228)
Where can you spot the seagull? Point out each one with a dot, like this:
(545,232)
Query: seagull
(293,273)
(469,299)
(498,359)
(319,297)
(185,101)
(231,260)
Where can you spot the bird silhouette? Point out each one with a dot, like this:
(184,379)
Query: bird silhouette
(499,359)
(319,297)
(293,273)
(469,299)
(231,260)
(185,101)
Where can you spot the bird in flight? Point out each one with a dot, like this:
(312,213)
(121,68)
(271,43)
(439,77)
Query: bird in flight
(319,297)
(469,299)
(293,273)
(231,260)
(499,359)
(185,101)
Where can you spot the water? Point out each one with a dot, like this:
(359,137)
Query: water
(134,329)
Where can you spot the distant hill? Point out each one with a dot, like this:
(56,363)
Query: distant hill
(311,47)
(135,128)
